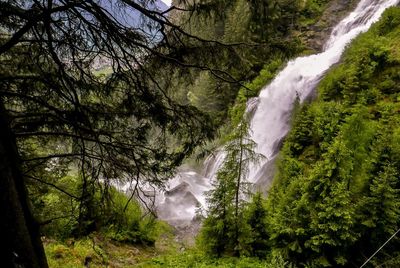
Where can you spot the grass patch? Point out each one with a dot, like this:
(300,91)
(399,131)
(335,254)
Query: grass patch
(99,250)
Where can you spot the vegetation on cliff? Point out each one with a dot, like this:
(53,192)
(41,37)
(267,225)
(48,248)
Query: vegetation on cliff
(335,199)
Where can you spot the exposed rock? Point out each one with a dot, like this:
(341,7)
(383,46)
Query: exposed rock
(264,176)
(182,187)
(176,205)
(186,232)
(277,146)
(315,36)
(191,199)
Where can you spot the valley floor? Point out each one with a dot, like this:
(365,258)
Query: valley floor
(98,251)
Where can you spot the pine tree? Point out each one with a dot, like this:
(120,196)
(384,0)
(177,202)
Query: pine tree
(224,227)
(384,203)
(123,126)
(381,211)
(256,219)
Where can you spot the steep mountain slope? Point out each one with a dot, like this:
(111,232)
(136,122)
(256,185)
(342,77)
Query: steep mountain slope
(271,32)
(336,197)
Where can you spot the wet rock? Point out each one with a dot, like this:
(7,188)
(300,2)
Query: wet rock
(182,187)
(189,198)
(264,176)
(179,205)
(315,36)
(277,146)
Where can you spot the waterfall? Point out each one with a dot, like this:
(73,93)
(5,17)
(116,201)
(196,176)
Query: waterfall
(270,123)
(271,113)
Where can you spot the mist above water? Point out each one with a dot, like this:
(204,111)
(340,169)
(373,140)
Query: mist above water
(271,114)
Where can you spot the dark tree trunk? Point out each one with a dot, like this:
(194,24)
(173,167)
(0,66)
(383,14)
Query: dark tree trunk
(238,185)
(19,232)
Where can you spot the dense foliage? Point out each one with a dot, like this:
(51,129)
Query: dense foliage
(199,260)
(117,217)
(336,197)
(225,230)
(59,117)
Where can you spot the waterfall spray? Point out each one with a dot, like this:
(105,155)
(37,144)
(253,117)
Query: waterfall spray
(273,107)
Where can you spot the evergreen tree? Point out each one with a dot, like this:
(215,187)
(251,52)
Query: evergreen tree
(383,203)
(256,217)
(216,232)
(380,213)
(224,229)
(122,125)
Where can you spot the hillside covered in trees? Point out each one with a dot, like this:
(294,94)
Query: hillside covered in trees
(102,101)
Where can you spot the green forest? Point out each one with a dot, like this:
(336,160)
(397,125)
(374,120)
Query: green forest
(100,94)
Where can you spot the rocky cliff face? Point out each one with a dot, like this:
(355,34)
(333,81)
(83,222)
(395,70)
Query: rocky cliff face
(314,36)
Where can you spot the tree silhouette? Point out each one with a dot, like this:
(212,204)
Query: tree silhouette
(120,126)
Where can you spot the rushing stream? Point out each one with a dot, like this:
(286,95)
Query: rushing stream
(272,111)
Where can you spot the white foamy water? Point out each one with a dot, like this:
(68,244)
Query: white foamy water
(272,110)
(270,121)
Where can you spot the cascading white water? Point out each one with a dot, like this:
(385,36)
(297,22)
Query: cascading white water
(270,122)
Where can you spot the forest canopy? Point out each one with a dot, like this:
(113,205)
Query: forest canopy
(58,114)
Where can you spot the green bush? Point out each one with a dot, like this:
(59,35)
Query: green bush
(195,259)
(110,213)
